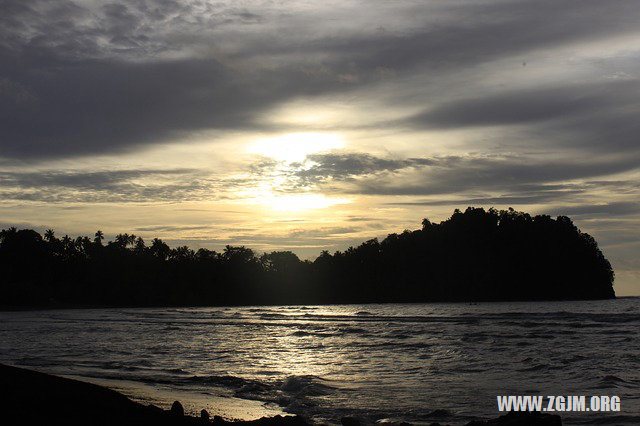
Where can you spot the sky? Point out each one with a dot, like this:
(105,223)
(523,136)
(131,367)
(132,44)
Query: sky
(309,126)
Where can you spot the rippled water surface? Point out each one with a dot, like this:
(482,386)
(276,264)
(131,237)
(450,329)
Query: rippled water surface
(396,362)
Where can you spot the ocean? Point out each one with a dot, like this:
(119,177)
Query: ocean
(419,363)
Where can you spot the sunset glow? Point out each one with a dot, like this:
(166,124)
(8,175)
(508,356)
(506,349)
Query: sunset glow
(205,125)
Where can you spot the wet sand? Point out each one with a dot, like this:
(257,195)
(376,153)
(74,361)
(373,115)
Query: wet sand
(33,398)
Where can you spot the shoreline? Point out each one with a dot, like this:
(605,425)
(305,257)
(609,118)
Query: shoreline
(458,302)
(35,398)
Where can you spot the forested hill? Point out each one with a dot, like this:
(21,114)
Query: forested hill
(475,255)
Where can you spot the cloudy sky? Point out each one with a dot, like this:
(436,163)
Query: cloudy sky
(305,126)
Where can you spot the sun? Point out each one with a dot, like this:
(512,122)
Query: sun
(295,147)
(290,151)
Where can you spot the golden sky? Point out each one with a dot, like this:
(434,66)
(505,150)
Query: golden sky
(298,126)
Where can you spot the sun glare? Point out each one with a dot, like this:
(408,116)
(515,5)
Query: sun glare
(264,195)
(270,190)
(294,147)
(300,202)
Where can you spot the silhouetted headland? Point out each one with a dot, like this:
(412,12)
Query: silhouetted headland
(475,255)
(33,398)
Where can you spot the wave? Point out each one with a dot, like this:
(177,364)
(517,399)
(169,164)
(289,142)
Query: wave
(537,367)
(610,381)
(377,363)
(301,333)
(227,381)
(439,413)
(278,390)
(306,385)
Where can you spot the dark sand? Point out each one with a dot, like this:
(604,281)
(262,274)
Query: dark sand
(33,398)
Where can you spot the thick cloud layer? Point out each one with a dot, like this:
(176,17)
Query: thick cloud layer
(90,77)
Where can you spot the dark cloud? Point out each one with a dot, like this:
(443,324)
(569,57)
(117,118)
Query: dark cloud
(63,94)
(97,106)
(361,219)
(345,165)
(456,36)
(82,80)
(531,105)
(605,132)
(615,209)
(486,174)
(521,179)
(598,118)
(519,196)
(112,186)
(102,180)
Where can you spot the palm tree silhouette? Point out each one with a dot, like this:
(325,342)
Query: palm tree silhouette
(99,236)
(49,235)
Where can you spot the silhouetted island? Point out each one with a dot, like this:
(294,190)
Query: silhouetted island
(475,255)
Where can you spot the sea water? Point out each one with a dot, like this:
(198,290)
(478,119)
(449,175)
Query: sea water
(381,363)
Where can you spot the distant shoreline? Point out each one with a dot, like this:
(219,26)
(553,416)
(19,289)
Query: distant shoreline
(474,256)
(89,307)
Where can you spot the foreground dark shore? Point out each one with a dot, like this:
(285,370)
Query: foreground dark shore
(33,398)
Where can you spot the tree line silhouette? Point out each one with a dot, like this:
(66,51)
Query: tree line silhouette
(475,255)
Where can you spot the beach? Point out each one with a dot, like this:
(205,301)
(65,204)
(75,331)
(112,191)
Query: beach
(414,363)
(34,398)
